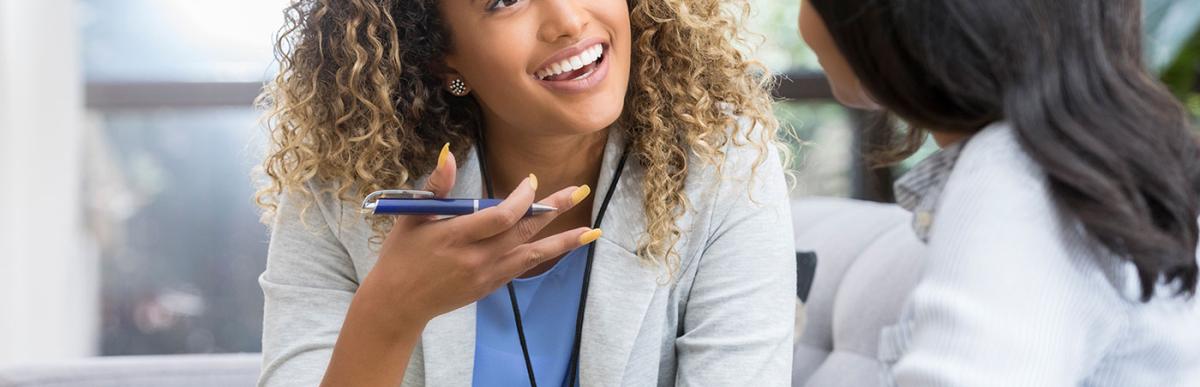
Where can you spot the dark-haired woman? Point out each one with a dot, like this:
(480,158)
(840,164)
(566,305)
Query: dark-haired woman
(1061,212)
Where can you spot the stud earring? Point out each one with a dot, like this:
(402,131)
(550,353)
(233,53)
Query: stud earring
(458,87)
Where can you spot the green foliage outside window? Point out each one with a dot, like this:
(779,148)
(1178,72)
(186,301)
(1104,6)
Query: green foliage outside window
(1173,45)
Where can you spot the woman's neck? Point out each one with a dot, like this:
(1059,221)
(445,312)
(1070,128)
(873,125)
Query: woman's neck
(945,138)
(558,161)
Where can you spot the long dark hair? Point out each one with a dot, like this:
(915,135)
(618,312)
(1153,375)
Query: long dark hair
(1070,78)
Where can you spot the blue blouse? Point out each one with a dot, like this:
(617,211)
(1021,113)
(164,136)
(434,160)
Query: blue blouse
(549,303)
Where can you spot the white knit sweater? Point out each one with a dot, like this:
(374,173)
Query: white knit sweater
(1013,294)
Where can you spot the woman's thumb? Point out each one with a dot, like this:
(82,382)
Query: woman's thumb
(441,181)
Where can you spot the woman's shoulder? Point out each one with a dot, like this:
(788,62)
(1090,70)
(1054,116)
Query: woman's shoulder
(748,162)
(322,205)
(997,211)
(747,180)
(309,203)
(995,177)
(997,229)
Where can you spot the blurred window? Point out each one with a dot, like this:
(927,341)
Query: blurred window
(179,40)
(823,135)
(180,242)
(170,144)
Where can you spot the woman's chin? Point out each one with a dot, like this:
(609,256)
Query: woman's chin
(855,100)
(593,126)
(592,120)
(865,106)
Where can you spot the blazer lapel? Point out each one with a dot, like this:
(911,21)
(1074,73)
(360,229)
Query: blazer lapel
(448,342)
(621,287)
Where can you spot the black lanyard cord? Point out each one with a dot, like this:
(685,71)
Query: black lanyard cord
(573,371)
(512,291)
(573,364)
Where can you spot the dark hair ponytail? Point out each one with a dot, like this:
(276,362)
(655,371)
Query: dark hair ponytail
(1069,77)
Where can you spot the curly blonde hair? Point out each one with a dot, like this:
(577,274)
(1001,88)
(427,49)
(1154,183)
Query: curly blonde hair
(357,104)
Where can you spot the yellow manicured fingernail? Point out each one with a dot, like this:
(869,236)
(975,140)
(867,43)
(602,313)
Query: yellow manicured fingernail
(443,156)
(533,181)
(580,193)
(590,236)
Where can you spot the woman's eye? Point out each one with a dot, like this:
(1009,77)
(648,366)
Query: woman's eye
(501,4)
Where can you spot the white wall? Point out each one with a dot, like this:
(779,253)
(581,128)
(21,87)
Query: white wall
(48,283)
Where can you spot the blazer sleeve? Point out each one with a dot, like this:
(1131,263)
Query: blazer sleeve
(739,319)
(307,287)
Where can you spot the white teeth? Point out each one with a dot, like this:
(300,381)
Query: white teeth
(576,62)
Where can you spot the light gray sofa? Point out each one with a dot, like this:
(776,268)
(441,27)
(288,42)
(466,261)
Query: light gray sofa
(867,258)
(868,262)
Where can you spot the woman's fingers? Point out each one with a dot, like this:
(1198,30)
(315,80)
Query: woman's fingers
(441,181)
(495,220)
(527,256)
(564,200)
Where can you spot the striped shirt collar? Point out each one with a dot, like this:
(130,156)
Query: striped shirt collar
(918,190)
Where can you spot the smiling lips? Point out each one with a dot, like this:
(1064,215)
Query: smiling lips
(577,67)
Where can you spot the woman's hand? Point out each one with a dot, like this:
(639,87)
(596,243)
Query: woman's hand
(428,267)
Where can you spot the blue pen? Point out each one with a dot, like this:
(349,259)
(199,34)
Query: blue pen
(414,202)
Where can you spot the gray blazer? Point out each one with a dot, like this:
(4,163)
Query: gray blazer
(725,318)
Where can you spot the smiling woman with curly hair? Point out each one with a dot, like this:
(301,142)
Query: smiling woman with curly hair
(650,101)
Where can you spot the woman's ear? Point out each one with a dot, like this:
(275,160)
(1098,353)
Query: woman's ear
(457,86)
(452,80)
(865,100)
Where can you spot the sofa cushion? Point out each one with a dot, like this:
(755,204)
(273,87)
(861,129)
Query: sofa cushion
(869,261)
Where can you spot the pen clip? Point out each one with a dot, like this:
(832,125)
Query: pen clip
(368,205)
